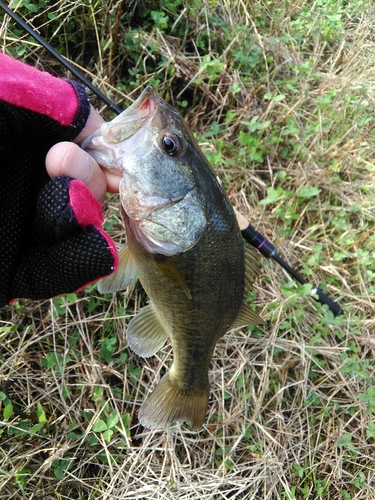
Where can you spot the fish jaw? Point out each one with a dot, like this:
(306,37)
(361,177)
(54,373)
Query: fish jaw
(127,123)
(124,133)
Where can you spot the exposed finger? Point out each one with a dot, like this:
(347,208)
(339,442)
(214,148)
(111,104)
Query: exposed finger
(94,122)
(113,181)
(67,158)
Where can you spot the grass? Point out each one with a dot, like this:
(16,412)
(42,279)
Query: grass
(281,97)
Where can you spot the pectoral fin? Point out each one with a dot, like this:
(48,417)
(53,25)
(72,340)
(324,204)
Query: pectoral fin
(145,333)
(125,275)
(172,274)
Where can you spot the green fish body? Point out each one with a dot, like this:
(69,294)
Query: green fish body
(184,243)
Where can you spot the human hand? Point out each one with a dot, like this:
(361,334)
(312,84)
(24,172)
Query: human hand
(67,158)
(53,240)
(67,247)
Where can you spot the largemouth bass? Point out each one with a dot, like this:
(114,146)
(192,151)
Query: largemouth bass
(184,243)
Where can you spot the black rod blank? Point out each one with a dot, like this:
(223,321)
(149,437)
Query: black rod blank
(269,251)
(60,58)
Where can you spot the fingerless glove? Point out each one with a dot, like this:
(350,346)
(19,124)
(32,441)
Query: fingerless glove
(51,239)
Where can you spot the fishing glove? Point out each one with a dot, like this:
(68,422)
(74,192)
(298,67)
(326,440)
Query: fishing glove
(52,240)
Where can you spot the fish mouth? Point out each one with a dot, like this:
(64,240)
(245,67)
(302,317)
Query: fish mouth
(133,118)
(126,124)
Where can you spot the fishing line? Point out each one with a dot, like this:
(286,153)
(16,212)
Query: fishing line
(266,248)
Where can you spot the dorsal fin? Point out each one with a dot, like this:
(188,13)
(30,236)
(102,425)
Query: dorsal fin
(253,266)
(247,316)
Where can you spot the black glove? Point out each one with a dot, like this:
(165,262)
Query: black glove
(51,241)
(67,247)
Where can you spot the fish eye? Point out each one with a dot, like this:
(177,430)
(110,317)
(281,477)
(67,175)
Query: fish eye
(171,144)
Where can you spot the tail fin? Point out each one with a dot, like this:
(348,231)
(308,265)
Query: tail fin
(168,403)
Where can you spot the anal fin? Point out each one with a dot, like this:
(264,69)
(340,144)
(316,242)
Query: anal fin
(145,333)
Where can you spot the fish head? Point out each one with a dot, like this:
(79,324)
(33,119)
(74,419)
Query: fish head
(150,147)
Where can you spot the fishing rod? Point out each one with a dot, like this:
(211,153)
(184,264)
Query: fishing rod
(268,250)
(250,234)
(60,58)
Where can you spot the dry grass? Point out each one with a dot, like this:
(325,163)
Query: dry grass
(286,416)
